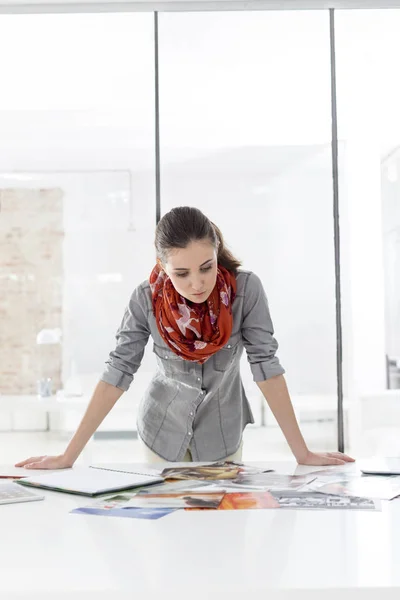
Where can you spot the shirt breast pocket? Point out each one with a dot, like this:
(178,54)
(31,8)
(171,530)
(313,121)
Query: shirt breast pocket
(170,364)
(224,358)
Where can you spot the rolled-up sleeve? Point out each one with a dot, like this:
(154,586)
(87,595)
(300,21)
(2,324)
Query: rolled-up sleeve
(258,332)
(132,337)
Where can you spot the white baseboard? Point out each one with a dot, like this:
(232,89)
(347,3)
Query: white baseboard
(6,421)
(26,420)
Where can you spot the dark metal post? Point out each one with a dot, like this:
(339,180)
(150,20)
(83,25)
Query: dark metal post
(336,226)
(157,120)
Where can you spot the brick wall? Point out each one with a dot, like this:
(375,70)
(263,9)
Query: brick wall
(31,279)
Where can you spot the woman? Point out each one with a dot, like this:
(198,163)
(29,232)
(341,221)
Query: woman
(201,311)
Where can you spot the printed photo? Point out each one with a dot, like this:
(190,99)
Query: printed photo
(182,499)
(179,500)
(265,481)
(209,472)
(184,485)
(216,471)
(246,500)
(367,486)
(310,500)
(126,513)
(294,500)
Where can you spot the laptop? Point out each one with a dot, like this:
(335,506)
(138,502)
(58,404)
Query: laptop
(380,466)
(10,493)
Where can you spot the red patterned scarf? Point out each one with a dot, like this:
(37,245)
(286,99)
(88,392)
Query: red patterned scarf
(193,331)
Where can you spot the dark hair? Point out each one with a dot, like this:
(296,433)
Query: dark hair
(185,224)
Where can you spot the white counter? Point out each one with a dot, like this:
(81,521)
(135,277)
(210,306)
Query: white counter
(48,553)
(60,413)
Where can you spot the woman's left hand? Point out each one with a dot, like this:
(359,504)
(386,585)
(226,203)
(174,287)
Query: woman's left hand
(319,459)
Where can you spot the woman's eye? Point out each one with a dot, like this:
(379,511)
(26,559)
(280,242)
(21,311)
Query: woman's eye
(203,270)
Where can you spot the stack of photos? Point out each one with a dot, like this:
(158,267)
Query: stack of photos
(235,486)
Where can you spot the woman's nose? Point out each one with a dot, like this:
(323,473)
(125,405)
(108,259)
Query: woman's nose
(197,284)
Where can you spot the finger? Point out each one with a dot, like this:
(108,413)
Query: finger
(348,458)
(331,460)
(23,463)
(35,465)
(342,456)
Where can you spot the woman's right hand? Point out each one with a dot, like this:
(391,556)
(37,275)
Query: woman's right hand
(45,462)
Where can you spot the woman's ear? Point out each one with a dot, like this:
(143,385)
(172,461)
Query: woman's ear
(159,263)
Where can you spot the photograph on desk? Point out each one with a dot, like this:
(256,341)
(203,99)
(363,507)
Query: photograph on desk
(179,485)
(182,499)
(125,513)
(314,500)
(366,486)
(178,500)
(264,481)
(293,500)
(118,506)
(218,470)
(248,500)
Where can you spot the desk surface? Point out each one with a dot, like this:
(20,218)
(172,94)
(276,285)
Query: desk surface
(46,552)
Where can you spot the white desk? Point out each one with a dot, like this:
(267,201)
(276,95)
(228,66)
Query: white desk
(48,553)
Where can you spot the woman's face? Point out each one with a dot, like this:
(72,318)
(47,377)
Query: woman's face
(193,270)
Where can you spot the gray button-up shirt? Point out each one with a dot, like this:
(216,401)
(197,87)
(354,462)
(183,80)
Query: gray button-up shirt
(188,405)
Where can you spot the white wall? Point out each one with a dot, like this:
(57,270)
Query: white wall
(109,219)
(391,235)
(297,266)
(363,275)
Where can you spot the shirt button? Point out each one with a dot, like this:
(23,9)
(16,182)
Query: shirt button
(228,346)
(166,357)
(191,414)
(189,433)
(199,379)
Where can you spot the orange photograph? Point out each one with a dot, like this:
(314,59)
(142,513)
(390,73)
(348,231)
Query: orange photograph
(245,500)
